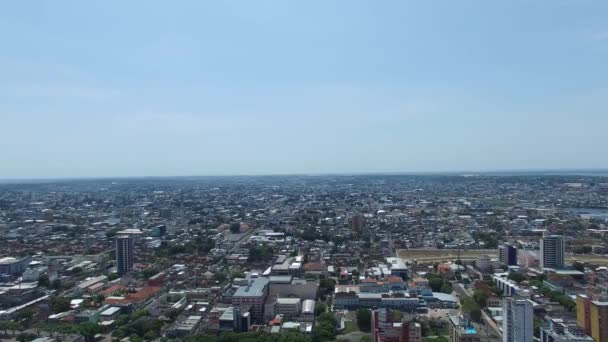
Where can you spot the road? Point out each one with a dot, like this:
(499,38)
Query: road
(245,238)
(353,337)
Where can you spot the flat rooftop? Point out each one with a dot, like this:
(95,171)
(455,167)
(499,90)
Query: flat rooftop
(255,288)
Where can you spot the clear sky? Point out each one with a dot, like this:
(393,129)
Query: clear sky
(146,88)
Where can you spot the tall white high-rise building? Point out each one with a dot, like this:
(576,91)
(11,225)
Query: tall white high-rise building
(552,251)
(124,254)
(517,320)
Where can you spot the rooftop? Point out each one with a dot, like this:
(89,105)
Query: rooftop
(7,260)
(255,288)
(396,263)
(288,301)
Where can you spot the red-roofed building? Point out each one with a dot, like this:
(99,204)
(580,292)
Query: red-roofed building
(134,298)
(113,289)
(315,268)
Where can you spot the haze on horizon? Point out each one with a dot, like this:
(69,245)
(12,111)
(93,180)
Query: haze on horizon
(146,88)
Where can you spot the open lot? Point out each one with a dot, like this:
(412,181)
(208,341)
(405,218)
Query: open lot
(423,255)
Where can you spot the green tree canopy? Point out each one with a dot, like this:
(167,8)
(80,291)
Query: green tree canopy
(59,304)
(364,320)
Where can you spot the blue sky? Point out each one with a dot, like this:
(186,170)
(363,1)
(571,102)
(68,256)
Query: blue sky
(145,88)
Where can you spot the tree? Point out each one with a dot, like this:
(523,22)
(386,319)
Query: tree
(150,335)
(320,308)
(235,228)
(446,287)
(583,250)
(135,338)
(516,277)
(396,315)
(172,314)
(326,286)
(435,339)
(325,330)
(76,270)
(26,314)
(44,281)
(435,283)
(87,330)
(12,326)
(112,276)
(260,253)
(237,275)
(59,304)
(481,298)
(139,314)
(149,272)
(64,329)
(364,320)
(579,266)
(220,277)
(470,307)
(99,298)
(39,327)
(4,325)
(24,337)
(537,324)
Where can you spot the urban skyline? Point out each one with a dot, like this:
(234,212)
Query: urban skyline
(304,171)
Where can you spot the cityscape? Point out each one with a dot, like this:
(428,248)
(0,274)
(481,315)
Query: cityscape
(304,171)
(393,258)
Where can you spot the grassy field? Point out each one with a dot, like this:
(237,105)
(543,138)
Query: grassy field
(444,254)
(437,255)
(350,326)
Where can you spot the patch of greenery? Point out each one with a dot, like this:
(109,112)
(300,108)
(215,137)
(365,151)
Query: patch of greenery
(350,327)
(325,329)
(260,253)
(364,320)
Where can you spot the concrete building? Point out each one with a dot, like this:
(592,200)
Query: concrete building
(507,286)
(517,320)
(592,317)
(124,254)
(385,329)
(507,255)
(552,252)
(485,264)
(185,327)
(110,313)
(599,321)
(461,330)
(583,312)
(410,332)
(358,224)
(558,331)
(252,296)
(13,266)
(398,267)
(288,307)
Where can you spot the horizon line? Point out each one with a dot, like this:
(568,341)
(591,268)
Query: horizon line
(497,172)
